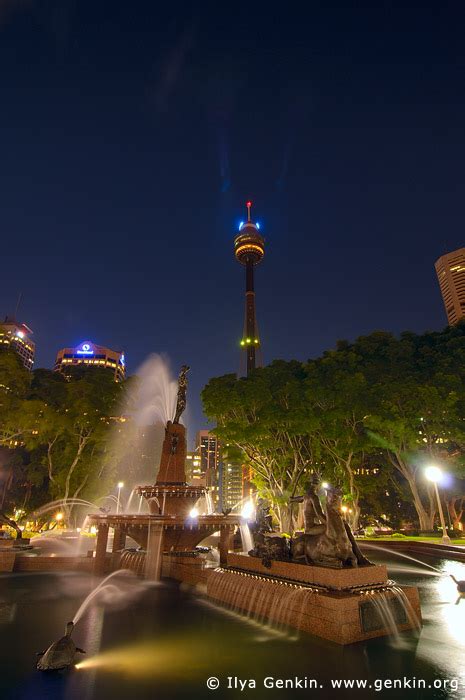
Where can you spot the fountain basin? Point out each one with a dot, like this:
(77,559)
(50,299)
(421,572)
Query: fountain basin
(333,579)
(345,606)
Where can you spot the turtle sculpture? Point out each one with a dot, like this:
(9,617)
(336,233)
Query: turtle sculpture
(60,654)
(460,584)
(460,589)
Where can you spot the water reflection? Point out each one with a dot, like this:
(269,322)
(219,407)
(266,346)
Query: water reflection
(165,641)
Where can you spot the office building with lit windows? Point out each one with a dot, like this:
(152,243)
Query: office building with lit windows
(450,269)
(17,336)
(194,474)
(208,449)
(92,355)
(230,482)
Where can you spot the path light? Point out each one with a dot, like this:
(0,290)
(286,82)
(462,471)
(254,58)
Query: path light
(434,474)
(59,516)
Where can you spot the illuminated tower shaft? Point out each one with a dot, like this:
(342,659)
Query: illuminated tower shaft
(250,325)
(249,248)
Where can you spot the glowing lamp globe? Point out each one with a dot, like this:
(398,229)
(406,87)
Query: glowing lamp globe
(59,516)
(120,484)
(433,474)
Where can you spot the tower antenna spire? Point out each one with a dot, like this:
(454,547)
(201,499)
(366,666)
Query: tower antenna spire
(249,207)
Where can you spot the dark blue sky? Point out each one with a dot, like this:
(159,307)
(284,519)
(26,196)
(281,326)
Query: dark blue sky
(131,135)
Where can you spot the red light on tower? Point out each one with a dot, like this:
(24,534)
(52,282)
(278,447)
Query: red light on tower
(248,205)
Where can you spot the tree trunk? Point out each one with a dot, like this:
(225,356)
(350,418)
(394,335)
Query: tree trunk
(8,521)
(455,512)
(425,518)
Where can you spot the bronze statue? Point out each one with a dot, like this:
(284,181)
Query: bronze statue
(182,391)
(314,518)
(263,518)
(333,547)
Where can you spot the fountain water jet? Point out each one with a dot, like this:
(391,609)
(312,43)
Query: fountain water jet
(400,554)
(103,584)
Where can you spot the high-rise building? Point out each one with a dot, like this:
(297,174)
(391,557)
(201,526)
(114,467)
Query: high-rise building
(194,475)
(249,249)
(208,449)
(450,269)
(230,481)
(92,355)
(17,336)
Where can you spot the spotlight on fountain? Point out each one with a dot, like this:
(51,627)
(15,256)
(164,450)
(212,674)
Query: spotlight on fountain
(194,513)
(248,510)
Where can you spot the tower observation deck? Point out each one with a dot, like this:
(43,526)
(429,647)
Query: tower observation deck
(249,249)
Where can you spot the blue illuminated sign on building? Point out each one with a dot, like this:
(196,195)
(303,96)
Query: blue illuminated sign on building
(85,349)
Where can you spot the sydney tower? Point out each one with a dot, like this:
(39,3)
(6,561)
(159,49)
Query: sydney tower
(249,249)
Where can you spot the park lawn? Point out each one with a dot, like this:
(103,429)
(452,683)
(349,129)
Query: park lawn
(412,538)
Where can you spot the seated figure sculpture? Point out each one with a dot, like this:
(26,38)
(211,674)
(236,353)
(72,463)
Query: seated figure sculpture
(268,545)
(330,543)
(314,518)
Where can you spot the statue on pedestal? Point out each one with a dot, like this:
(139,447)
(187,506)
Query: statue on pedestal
(314,518)
(330,543)
(182,391)
(269,546)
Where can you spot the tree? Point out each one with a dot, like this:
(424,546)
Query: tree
(336,391)
(267,417)
(65,426)
(414,405)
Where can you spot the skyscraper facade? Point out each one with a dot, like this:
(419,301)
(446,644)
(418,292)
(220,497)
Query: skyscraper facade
(230,482)
(450,269)
(208,450)
(17,336)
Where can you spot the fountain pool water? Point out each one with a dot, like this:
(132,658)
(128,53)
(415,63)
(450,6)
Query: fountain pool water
(168,640)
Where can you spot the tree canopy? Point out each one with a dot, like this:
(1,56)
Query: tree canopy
(394,402)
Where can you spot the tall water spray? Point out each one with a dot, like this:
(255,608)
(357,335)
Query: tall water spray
(149,404)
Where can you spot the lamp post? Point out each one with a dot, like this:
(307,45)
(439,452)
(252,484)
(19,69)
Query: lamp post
(434,474)
(120,486)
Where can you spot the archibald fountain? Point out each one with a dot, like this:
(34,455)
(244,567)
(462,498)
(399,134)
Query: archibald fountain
(318,581)
(169,527)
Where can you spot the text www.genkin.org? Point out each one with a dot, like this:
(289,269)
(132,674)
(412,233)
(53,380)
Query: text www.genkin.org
(306,683)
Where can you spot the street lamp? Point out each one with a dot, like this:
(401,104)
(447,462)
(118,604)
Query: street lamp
(120,486)
(434,474)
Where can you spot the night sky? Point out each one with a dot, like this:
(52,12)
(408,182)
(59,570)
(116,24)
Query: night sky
(132,134)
